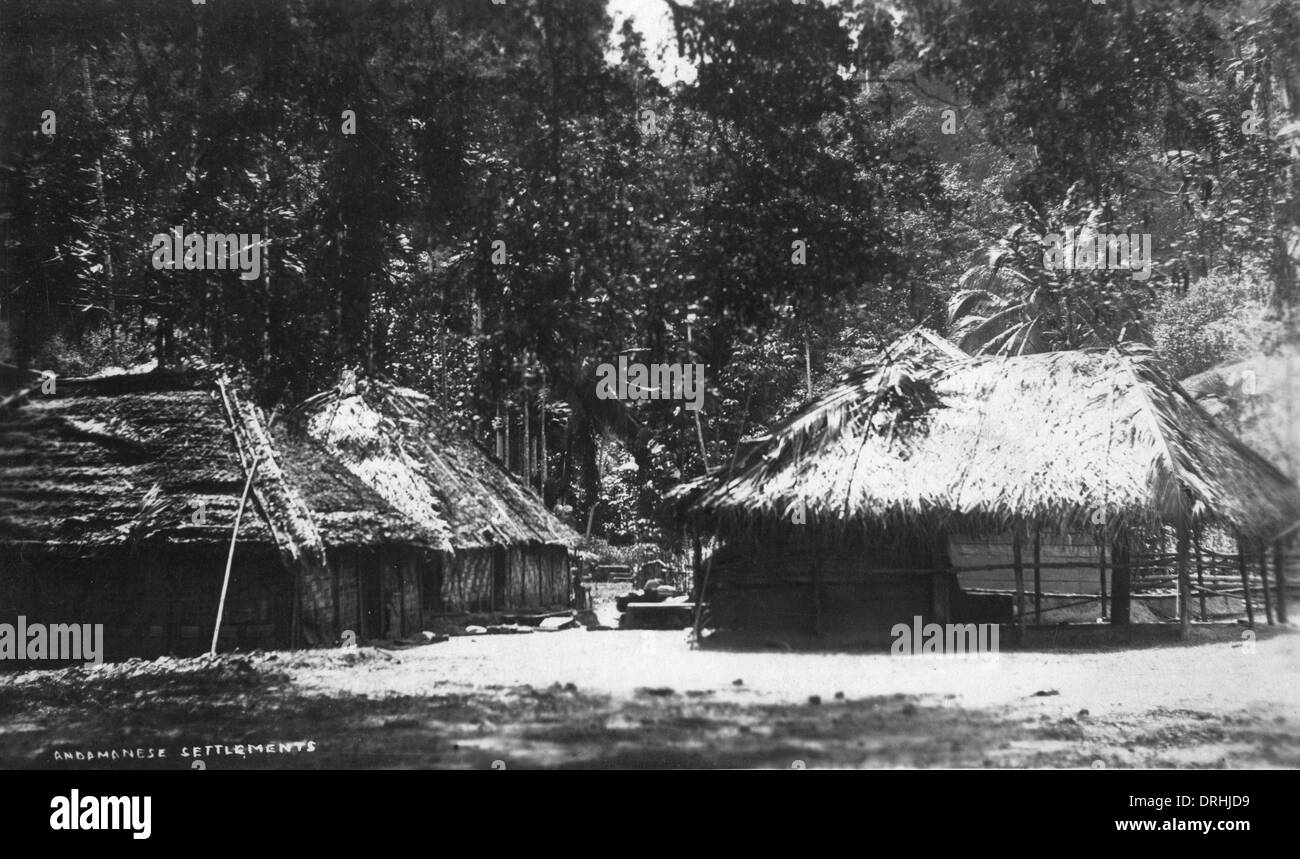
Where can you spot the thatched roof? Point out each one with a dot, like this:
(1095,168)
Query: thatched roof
(1054,437)
(154,458)
(395,440)
(76,466)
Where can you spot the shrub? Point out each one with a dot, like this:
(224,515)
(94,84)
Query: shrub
(1220,317)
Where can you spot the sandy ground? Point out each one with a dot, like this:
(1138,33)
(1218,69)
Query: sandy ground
(647,699)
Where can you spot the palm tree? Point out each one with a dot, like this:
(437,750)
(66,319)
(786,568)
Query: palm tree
(1010,303)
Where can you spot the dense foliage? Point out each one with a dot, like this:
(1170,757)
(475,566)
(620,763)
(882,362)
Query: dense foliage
(487,201)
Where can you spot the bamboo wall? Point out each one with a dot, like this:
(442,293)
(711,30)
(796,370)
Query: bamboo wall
(1077,581)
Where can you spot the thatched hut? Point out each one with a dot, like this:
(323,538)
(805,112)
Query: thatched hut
(924,477)
(118,499)
(506,550)
(1255,398)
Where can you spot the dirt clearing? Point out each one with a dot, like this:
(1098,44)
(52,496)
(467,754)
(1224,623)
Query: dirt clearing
(645,699)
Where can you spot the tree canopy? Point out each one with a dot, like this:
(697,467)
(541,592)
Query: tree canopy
(487,201)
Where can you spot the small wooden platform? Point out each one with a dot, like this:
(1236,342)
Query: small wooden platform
(659,615)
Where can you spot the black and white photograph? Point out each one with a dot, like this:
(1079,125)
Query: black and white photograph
(651,385)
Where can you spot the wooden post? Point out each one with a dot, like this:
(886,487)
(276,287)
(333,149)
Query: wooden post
(1184,585)
(1038,578)
(1200,569)
(1019,568)
(230,560)
(1263,580)
(1121,577)
(1101,567)
(1280,572)
(1245,580)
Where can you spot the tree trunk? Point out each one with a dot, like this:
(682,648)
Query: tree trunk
(541,437)
(807,364)
(509,451)
(102,218)
(266,268)
(528,444)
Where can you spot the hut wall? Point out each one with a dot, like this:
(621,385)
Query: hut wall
(1077,549)
(523,578)
(467,580)
(348,592)
(495,578)
(539,576)
(479,584)
(378,591)
(452,570)
(317,597)
(390,572)
(555,566)
(429,566)
(412,614)
(865,610)
(851,586)
(161,600)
